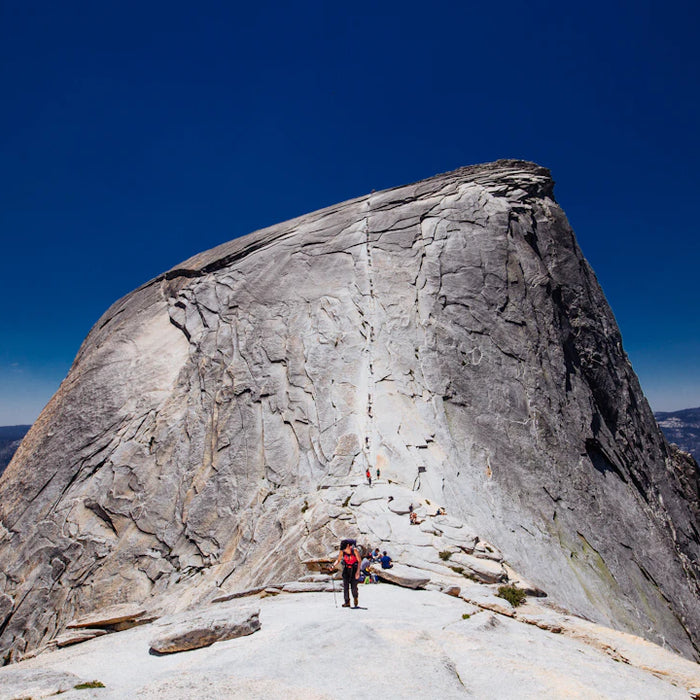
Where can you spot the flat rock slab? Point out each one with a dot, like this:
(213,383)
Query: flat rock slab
(485,570)
(364,494)
(307,586)
(322,564)
(115,614)
(315,578)
(484,550)
(202,628)
(76,636)
(403,576)
(402,507)
(34,683)
(447,521)
(489,602)
(243,594)
(550,621)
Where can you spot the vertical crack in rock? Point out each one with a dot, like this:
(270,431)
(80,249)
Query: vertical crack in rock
(370,340)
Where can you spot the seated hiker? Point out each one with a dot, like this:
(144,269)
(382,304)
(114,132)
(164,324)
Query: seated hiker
(413,518)
(365,572)
(351,570)
(376,556)
(386,561)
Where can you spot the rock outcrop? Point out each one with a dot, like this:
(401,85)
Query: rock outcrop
(217,423)
(186,631)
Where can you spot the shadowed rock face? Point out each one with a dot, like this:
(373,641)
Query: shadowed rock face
(217,421)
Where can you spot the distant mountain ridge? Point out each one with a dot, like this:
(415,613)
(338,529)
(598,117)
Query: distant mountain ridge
(682,428)
(10,438)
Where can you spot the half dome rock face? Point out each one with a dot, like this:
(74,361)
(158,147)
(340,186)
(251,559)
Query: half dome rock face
(216,426)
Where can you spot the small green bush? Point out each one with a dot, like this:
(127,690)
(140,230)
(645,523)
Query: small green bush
(465,616)
(89,684)
(305,507)
(514,595)
(445,555)
(457,569)
(346,501)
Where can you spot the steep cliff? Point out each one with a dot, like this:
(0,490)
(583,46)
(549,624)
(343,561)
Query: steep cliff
(217,422)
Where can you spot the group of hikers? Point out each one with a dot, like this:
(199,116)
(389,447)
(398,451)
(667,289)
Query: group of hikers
(356,568)
(368,475)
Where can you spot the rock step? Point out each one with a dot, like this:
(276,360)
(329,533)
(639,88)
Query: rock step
(122,614)
(204,628)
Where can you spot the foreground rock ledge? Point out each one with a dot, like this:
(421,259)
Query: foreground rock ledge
(185,632)
(308,648)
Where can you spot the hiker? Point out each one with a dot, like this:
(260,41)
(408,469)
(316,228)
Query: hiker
(364,567)
(413,517)
(366,573)
(376,556)
(386,561)
(351,570)
(378,473)
(368,474)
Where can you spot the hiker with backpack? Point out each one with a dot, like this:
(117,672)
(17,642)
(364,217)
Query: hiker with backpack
(350,557)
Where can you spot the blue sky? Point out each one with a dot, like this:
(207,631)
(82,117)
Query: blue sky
(133,135)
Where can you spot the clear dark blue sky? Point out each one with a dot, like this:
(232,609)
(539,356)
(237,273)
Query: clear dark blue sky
(133,135)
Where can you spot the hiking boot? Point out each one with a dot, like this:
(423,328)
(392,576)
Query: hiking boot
(356,603)
(345,605)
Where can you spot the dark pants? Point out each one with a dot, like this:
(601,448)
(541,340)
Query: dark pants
(349,581)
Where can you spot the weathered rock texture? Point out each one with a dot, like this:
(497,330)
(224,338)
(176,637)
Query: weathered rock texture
(217,422)
(185,632)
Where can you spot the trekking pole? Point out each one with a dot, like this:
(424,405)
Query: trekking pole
(333,586)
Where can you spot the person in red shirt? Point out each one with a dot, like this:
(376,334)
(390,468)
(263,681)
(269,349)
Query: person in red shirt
(350,557)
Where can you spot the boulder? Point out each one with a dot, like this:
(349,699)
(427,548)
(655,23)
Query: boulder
(321,564)
(403,576)
(205,627)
